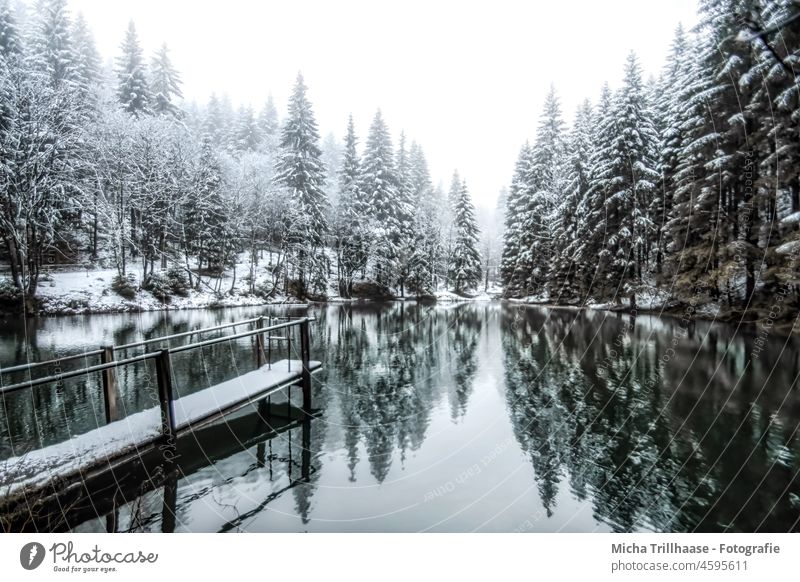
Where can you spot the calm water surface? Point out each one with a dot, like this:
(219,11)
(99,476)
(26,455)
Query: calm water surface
(488,417)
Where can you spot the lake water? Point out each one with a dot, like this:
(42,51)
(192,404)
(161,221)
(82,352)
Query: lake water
(470,417)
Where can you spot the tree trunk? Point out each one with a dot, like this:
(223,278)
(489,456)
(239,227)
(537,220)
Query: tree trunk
(94,230)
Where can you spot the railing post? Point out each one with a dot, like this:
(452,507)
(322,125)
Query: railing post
(164,374)
(269,345)
(305,356)
(110,392)
(259,344)
(289,345)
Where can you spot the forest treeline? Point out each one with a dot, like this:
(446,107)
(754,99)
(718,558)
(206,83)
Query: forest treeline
(685,186)
(110,166)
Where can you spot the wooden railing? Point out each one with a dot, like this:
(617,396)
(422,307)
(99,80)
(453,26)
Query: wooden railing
(164,375)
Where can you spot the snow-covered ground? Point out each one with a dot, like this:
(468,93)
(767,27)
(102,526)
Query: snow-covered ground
(450,297)
(80,291)
(89,291)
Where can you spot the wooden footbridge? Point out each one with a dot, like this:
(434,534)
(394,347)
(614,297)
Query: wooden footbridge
(150,434)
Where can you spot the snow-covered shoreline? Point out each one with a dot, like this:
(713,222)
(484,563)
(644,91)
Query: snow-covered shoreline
(87,292)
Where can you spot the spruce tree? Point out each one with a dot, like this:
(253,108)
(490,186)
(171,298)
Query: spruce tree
(566,267)
(545,183)
(209,236)
(352,226)
(427,245)
(87,62)
(52,49)
(9,32)
(593,224)
(465,266)
(514,275)
(246,135)
(165,84)
(379,187)
(669,110)
(132,88)
(300,170)
(632,175)
(405,215)
(268,120)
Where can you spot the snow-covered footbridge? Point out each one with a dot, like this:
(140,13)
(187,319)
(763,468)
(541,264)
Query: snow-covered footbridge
(122,440)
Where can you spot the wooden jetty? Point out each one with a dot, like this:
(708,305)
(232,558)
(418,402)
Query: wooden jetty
(154,431)
(102,492)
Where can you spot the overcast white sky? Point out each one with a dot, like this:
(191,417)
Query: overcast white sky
(465,79)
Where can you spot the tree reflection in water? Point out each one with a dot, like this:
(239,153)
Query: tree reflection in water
(649,423)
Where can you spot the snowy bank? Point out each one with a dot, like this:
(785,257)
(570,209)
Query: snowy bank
(89,291)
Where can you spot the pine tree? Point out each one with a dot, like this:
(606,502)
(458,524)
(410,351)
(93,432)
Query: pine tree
(773,110)
(246,135)
(215,123)
(405,214)
(301,172)
(52,50)
(514,275)
(165,84)
(465,266)
(132,89)
(208,234)
(268,119)
(9,33)
(711,246)
(427,246)
(632,178)
(669,116)
(352,228)
(593,224)
(566,266)
(379,186)
(545,183)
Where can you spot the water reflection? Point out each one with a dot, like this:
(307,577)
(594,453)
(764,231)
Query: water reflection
(614,424)
(656,434)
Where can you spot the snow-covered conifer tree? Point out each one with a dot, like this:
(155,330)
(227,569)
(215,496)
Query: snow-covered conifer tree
(132,88)
(465,265)
(165,84)
(300,170)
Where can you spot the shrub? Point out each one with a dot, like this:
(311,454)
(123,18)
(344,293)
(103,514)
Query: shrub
(178,281)
(9,293)
(370,290)
(158,285)
(125,286)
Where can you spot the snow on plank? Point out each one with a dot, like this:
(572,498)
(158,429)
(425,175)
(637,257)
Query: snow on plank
(106,443)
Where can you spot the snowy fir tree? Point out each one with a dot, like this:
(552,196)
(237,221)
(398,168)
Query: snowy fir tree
(88,67)
(566,267)
(629,170)
(514,274)
(379,186)
(52,51)
(681,189)
(165,84)
(543,182)
(9,33)
(352,227)
(133,90)
(268,119)
(301,172)
(465,263)
(427,244)
(208,235)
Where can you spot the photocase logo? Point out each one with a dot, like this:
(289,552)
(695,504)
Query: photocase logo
(31,555)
